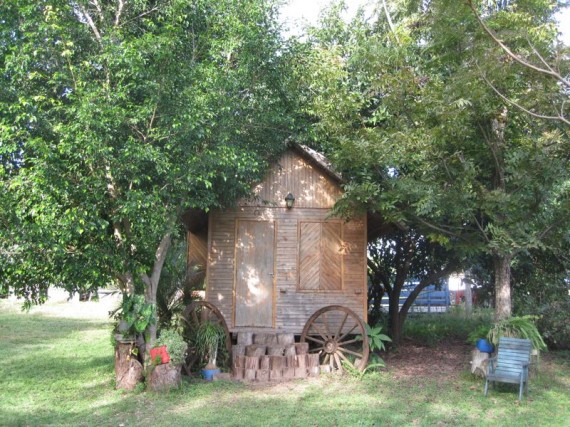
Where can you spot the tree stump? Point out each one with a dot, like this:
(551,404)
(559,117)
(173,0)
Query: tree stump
(128,370)
(479,362)
(164,377)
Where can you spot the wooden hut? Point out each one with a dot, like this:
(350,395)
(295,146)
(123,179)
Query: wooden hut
(269,266)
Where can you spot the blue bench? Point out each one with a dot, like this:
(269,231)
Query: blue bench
(511,364)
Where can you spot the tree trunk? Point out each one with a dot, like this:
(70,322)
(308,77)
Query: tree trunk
(468,297)
(502,268)
(151,283)
(395,325)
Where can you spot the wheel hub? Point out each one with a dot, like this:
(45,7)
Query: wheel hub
(330,347)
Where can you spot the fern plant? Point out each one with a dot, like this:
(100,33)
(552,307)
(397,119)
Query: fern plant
(517,327)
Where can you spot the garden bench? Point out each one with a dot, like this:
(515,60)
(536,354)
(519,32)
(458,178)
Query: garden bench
(511,363)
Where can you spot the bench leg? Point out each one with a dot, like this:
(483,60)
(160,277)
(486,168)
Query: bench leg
(521,390)
(486,386)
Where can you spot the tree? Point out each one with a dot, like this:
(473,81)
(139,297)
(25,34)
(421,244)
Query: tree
(402,257)
(423,139)
(115,118)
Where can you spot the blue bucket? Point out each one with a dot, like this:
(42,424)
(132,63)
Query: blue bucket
(208,374)
(485,346)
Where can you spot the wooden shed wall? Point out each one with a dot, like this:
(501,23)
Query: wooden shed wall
(315,193)
(292,306)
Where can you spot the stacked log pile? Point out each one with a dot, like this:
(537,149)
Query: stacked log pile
(272,357)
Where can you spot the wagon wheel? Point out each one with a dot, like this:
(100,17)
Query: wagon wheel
(197,313)
(339,336)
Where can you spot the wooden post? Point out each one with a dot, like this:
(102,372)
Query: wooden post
(275,350)
(290,350)
(285,339)
(264,362)
(302,347)
(313,365)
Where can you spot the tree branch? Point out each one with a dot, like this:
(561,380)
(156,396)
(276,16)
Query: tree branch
(548,71)
(90,22)
(560,117)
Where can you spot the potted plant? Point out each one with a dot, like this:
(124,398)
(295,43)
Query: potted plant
(517,327)
(207,339)
(171,348)
(167,357)
(479,337)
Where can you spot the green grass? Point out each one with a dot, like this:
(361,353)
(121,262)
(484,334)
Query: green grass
(58,370)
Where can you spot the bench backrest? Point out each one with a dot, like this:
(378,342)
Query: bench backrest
(512,353)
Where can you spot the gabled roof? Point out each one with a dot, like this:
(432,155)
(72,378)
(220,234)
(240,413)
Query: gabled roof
(317,159)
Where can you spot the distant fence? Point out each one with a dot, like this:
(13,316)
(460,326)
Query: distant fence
(432,299)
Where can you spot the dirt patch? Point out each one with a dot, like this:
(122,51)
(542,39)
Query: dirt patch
(411,360)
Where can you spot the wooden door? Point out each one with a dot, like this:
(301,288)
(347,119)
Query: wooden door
(254,281)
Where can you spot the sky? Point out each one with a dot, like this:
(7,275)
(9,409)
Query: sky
(296,11)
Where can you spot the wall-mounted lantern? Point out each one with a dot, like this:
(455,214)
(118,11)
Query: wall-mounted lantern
(289,200)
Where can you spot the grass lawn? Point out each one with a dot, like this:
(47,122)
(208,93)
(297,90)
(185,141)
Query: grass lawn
(57,369)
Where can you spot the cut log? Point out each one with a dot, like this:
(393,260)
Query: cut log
(249,374)
(313,360)
(238,350)
(285,339)
(275,350)
(290,350)
(275,375)
(262,375)
(479,362)
(260,338)
(239,362)
(301,361)
(302,347)
(255,350)
(237,373)
(252,362)
(291,361)
(245,338)
(300,372)
(313,371)
(164,377)
(288,373)
(128,370)
(277,362)
(264,362)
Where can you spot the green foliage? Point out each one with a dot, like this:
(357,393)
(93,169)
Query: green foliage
(553,324)
(175,345)
(517,327)
(376,339)
(432,329)
(115,120)
(481,331)
(136,313)
(207,340)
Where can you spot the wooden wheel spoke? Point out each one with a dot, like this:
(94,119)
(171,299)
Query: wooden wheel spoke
(348,333)
(354,353)
(311,338)
(326,359)
(319,331)
(326,322)
(343,357)
(338,362)
(350,341)
(339,333)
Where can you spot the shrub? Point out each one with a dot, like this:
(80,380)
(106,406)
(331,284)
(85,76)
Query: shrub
(554,325)
(175,345)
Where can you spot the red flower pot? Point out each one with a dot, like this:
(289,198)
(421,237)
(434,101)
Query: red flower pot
(159,351)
